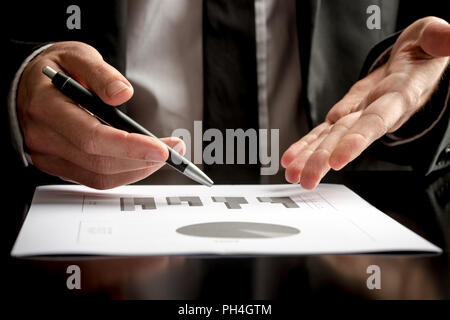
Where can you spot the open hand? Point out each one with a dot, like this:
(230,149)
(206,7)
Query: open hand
(378,104)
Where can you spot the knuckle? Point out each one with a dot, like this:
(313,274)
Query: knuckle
(406,89)
(78,48)
(302,143)
(35,140)
(130,149)
(319,152)
(359,86)
(407,98)
(89,143)
(32,141)
(33,110)
(354,141)
(325,132)
(77,51)
(377,123)
(373,95)
(335,115)
(341,125)
(310,172)
(100,165)
(100,68)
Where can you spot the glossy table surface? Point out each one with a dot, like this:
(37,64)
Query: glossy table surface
(421,204)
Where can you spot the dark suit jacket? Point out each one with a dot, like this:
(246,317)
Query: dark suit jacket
(335,45)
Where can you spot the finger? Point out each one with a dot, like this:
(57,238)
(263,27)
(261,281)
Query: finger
(45,141)
(435,38)
(58,146)
(318,163)
(374,122)
(71,172)
(295,168)
(291,153)
(85,64)
(92,137)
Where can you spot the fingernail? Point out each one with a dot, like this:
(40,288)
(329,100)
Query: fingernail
(155,155)
(115,88)
(179,147)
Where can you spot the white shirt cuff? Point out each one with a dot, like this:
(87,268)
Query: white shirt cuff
(16,134)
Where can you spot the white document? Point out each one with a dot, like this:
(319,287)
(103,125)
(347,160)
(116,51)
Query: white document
(233,219)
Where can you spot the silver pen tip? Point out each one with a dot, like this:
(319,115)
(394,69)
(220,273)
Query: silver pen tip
(208,182)
(197,175)
(49,72)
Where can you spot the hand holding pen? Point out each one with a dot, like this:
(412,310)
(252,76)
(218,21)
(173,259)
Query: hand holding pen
(65,141)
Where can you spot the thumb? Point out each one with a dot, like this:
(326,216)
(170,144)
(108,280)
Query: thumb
(86,65)
(435,38)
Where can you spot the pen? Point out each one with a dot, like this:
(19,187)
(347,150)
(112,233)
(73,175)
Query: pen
(113,117)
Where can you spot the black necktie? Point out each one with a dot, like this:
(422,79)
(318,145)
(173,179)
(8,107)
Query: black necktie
(230,79)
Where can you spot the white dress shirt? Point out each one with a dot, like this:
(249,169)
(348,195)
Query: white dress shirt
(164,65)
